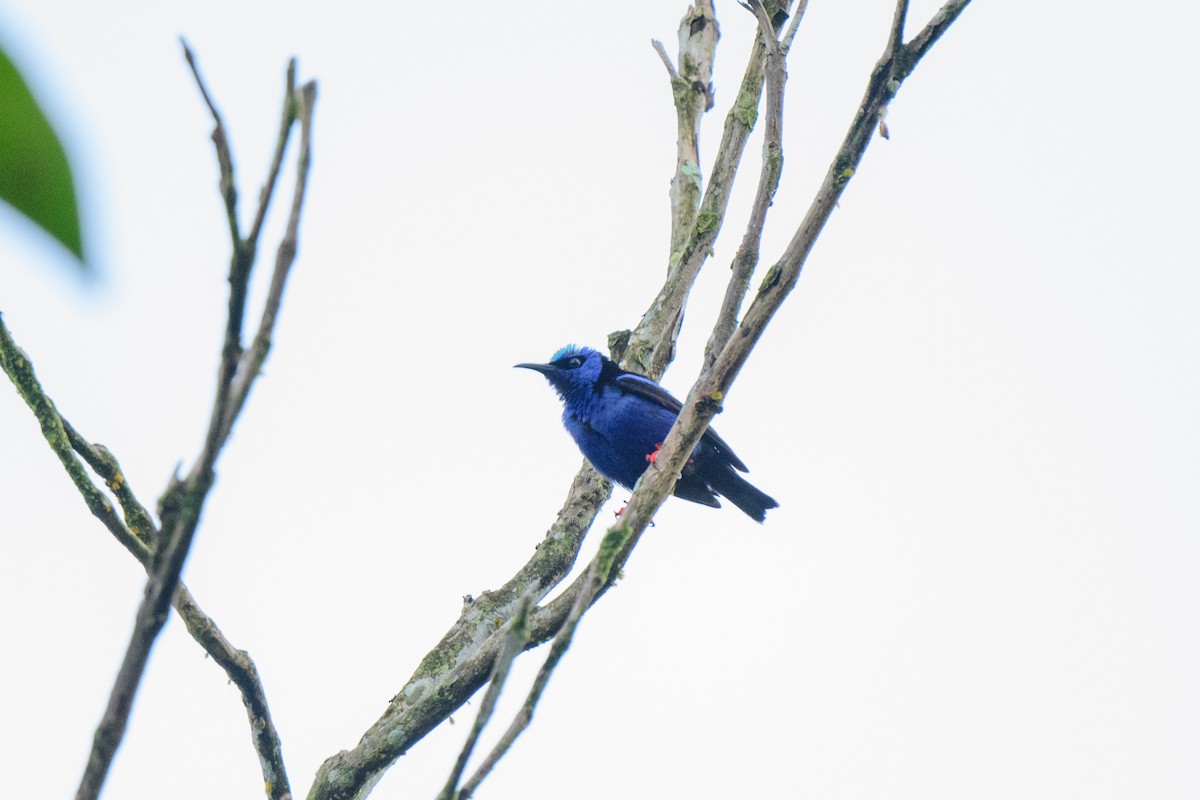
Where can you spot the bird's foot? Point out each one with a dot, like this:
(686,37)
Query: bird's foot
(621,511)
(653,457)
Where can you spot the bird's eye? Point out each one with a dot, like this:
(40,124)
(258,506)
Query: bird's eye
(574,362)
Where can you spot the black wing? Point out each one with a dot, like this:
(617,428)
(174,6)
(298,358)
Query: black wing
(644,387)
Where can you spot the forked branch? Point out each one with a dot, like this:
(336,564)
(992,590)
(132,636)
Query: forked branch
(448,676)
(181,505)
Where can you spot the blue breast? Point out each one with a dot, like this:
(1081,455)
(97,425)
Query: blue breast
(617,432)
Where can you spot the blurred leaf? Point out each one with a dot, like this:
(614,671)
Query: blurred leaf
(35,177)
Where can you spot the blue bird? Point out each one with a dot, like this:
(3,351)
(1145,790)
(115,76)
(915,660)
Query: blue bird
(619,420)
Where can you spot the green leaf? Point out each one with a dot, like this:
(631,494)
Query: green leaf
(35,177)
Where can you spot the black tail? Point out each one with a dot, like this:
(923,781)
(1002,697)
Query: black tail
(745,496)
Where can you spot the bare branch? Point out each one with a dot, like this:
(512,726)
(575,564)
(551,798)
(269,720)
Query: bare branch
(285,123)
(666,59)
(933,30)
(705,398)
(182,503)
(136,535)
(452,672)
(797,15)
(597,576)
(237,664)
(896,37)
(253,359)
(462,661)
(648,349)
(137,519)
(150,618)
(241,261)
(514,643)
(242,673)
(19,368)
(221,142)
(691,88)
(746,258)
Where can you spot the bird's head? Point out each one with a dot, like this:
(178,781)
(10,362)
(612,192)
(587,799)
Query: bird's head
(572,371)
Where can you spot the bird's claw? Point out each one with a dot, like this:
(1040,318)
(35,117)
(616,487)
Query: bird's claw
(621,511)
(653,457)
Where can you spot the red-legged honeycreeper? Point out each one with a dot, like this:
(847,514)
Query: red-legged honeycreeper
(619,420)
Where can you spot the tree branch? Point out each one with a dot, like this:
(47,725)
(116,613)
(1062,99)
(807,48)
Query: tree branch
(137,519)
(252,360)
(746,258)
(221,143)
(704,400)
(286,118)
(620,539)
(449,675)
(915,50)
(666,59)
(181,505)
(137,535)
(462,661)
(691,87)
(649,348)
(514,643)
(19,369)
(797,16)
(594,579)
(241,261)
(896,37)
(243,674)
(239,668)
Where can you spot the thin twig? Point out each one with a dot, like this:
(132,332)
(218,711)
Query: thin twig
(746,258)
(287,117)
(514,643)
(933,30)
(183,501)
(785,43)
(242,673)
(137,519)
(666,59)
(896,37)
(252,360)
(237,664)
(649,348)
(462,661)
(598,573)
(221,142)
(241,262)
(151,616)
(19,368)
(136,534)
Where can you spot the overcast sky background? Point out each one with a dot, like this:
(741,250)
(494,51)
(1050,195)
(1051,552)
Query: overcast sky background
(978,410)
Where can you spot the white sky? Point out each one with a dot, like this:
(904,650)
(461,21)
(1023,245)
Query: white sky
(978,410)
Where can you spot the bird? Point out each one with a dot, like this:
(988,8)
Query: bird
(619,420)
